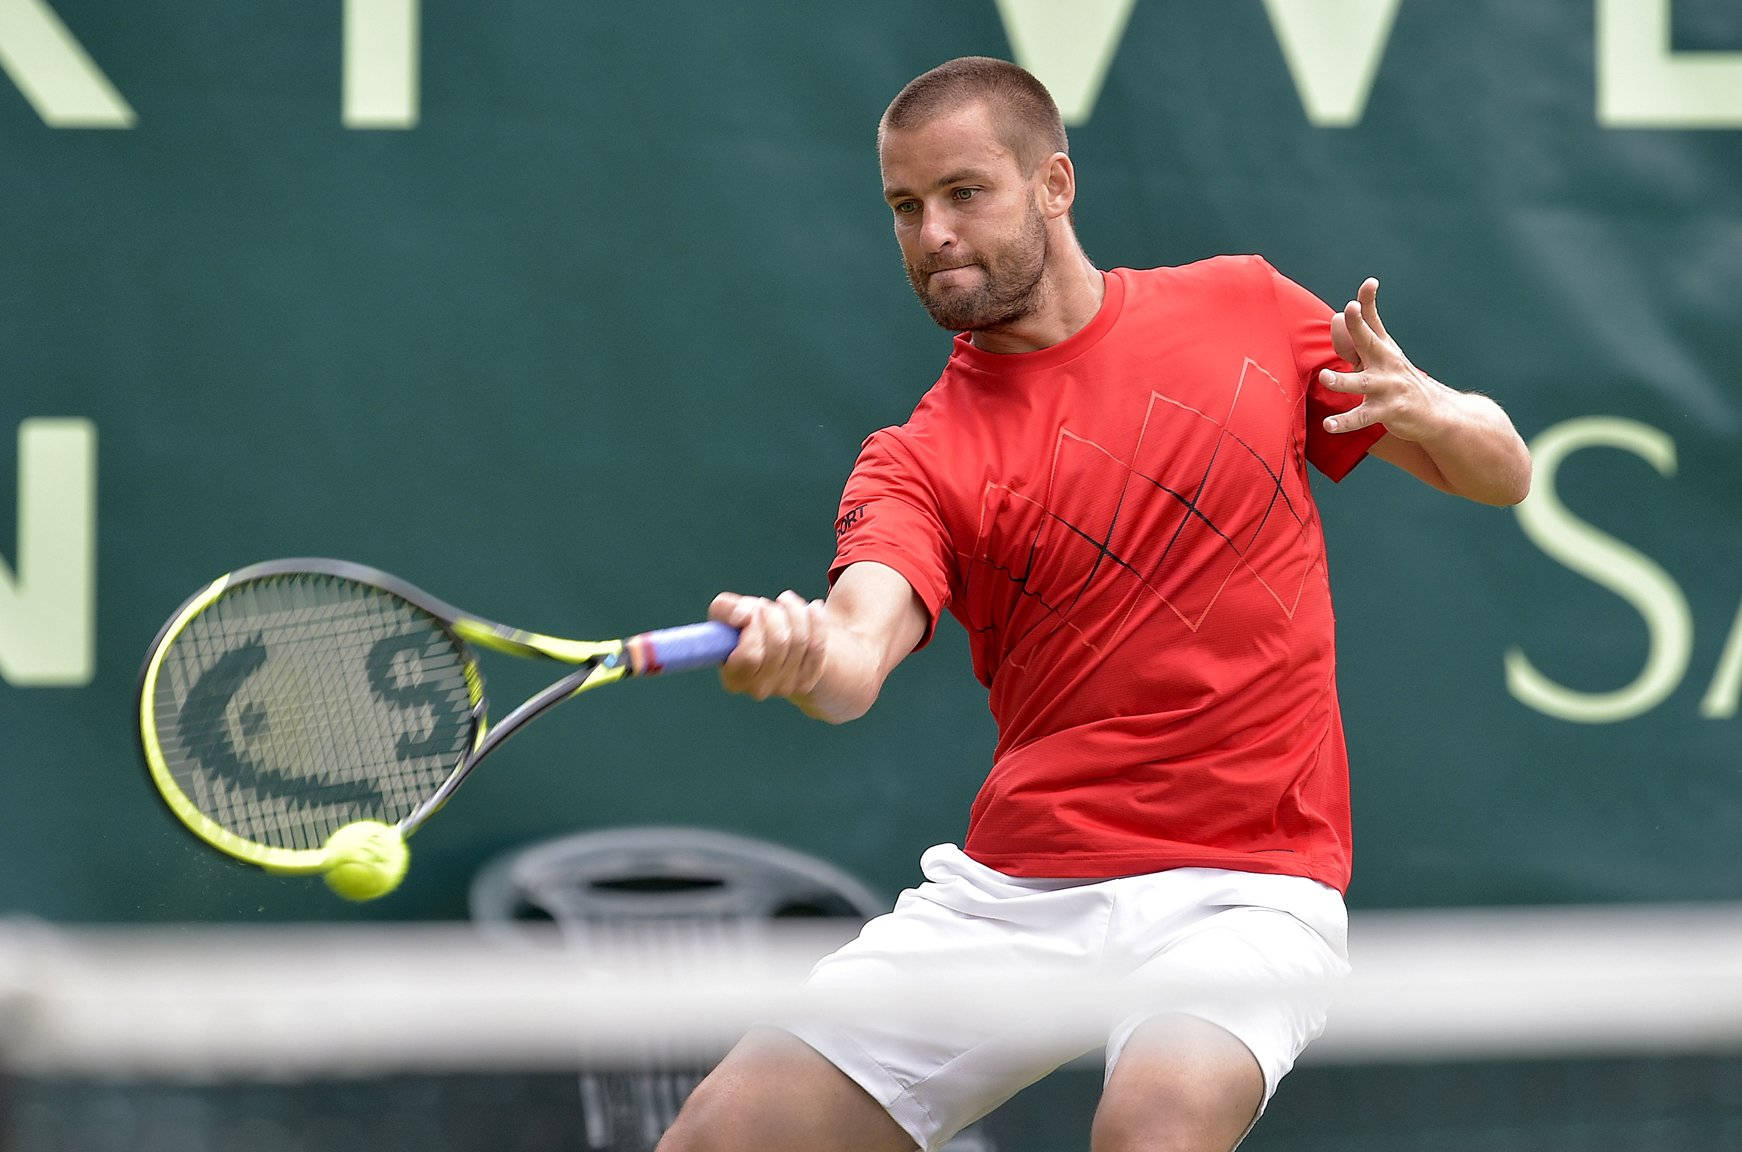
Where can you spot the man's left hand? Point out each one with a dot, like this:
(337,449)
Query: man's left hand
(1395,392)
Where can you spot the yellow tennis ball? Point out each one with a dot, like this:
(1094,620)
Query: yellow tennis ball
(366,859)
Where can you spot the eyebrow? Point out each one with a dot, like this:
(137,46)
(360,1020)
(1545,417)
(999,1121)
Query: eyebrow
(960,176)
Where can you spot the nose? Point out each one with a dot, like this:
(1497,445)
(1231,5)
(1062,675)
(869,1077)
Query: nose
(936,232)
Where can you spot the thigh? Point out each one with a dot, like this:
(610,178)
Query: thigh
(1260,975)
(1182,1084)
(935,1063)
(774,1093)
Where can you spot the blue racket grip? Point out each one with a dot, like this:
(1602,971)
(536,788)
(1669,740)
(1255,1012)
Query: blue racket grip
(680,649)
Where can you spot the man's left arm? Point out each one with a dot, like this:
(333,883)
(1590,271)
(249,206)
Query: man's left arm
(1459,442)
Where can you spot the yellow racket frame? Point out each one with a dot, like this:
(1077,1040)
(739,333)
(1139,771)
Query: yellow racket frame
(606,657)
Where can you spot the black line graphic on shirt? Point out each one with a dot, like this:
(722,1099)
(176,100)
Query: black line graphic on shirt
(1190,509)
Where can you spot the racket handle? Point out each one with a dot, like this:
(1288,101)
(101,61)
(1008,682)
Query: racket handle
(680,649)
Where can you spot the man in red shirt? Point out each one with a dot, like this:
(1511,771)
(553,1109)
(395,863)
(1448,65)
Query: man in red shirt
(1107,486)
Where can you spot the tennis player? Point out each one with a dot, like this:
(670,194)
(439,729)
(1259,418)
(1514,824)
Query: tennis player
(1107,486)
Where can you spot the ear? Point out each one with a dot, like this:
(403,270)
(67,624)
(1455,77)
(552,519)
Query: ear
(1056,185)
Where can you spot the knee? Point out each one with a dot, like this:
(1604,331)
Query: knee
(682,1136)
(1182,1120)
(701,1124)
(738,1107)
(1184,1089)
(775,1094)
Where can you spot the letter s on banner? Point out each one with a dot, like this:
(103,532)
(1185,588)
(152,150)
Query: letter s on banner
(1604,560)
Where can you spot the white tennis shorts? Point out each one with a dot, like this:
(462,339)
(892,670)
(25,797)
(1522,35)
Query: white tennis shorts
(1276,946)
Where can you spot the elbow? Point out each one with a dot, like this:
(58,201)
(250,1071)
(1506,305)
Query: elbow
(1506,493)
(841,718)
(1518,475)
(1517,485)
(1504,483)
(833,718)
(1496,490)
(836,712)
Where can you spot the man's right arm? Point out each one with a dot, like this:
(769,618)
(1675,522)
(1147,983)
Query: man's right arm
(830,658)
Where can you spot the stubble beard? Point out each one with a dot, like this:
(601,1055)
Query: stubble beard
(1009,288)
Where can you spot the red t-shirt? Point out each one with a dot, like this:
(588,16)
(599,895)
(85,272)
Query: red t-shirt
(1122,523)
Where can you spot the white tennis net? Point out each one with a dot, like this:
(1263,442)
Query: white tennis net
(193,1001)
(1615,1004)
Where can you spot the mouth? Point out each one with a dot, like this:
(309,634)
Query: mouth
(946,273)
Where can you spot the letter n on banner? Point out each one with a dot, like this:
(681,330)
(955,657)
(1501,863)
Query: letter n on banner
(48,604)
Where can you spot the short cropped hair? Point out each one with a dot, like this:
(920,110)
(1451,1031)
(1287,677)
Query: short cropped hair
(1027,119)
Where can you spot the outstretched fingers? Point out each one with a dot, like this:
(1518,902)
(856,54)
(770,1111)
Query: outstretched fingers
(1358,335)
(1368,298)
(1342,343)
(1358,417)
(1368,344)
(1362,383)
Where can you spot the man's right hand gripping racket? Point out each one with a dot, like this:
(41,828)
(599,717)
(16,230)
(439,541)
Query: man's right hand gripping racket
(307,715)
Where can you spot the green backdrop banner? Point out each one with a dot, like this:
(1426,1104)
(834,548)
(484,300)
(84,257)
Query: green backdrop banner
(575,314)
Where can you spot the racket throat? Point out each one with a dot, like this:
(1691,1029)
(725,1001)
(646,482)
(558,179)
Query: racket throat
(603,670)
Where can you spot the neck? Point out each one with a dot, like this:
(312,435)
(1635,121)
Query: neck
(1071,290)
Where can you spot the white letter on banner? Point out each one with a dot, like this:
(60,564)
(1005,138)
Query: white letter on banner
(48,611)
(55,74)
(1641,83)
(1068,47)
(1333,49)
(1606,561)
(381,82)
(1720,699)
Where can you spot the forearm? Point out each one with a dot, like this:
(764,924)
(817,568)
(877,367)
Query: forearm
(830,659)
(852,677)
(1472,450)
(1459,442)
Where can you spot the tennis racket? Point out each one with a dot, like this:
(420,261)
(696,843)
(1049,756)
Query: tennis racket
(289,699)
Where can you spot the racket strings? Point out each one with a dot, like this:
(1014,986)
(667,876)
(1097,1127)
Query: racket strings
(293,705)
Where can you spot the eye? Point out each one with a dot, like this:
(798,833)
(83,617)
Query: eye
(906,207)
(963,193)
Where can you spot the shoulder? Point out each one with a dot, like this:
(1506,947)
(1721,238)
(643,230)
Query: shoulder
(894,441)
(1214,295)
(941,415)
(937,448)
(1234,276)
(1242,265)
(903,453)
(933,405)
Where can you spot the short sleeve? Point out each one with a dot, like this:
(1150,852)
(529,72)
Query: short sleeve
(889,514)
(1307,320)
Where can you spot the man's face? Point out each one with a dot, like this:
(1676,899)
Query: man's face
(972,236)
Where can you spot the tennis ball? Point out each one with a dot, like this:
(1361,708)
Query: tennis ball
(365,859)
